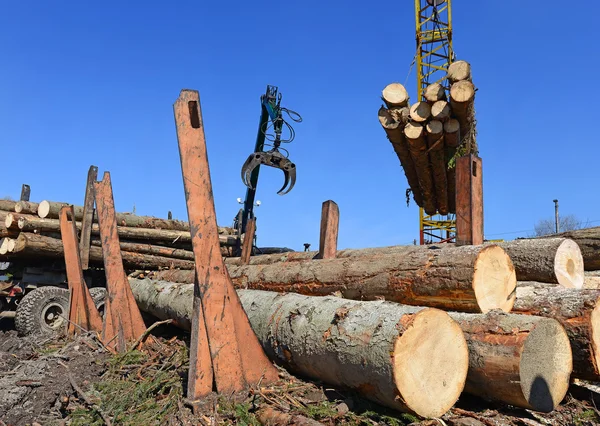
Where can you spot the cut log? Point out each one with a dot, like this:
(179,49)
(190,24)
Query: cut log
(34,245)
(462,95)
(26,207)
(7,205)
(520,360)
(418,151)
(435,92)
(440,111)
(458,71)
(11,221)
(151,249)
(588,240)
(578,311)
(407,358)
(451,133)
(396,137)
(552,260)
(395,95)
(467,279)
(437,155)
(420,112)
(51,209)
(4,245)
(400,115)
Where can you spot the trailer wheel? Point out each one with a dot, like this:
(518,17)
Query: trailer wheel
(43,311)
(99,297)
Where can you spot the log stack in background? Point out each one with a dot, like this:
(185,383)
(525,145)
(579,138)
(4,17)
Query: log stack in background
(30,233)
(427,135)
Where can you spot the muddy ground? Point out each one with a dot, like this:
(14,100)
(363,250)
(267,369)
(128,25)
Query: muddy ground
(38,376)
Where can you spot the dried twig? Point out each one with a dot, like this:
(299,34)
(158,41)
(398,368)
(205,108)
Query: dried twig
(148,330)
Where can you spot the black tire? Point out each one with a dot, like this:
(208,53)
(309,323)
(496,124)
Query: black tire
(43,311)
(99,297)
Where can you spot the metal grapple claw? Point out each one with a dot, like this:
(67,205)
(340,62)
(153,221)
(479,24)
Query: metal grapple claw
(272,159)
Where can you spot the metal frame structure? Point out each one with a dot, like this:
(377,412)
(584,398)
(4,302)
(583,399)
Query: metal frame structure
(434,55)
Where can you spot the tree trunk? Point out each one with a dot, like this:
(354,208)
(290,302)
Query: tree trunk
(467,279)
(407,358)
(152,249)
(459,71)
(440,111)
(451,133)
(462,96)
(395,95)
(7,205)
(51,209)
(420,112)
(588,240)
(578,311)
(553,260)
(29,223)
(435,92)
(26,207)
(520,360)
(393,129)
(34,245)
(437,155)
(11,221)
(418,151)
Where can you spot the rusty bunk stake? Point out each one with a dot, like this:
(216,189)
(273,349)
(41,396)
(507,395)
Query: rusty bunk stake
(88,218)
(82,310)
(237,358)
(25,192)
(248,241)
(469,200)
(330,223)
(122,319)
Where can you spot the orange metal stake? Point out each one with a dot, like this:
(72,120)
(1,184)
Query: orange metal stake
(122,319)
(469,200)
(237,358)
(330,224)
(248,241)
(82,310)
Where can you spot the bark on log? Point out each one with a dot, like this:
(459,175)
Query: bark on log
(395,135)
(407,358)
(420,112)
(11,221)
(418,151)
(435,92)
(437,155)
(152,249)
(51,209)
(588,240)
(34,245)
(400,115)
(466,279)
(462,96)
(440,111)
(517,359)
(451,133)
(26,207)
(552,260)
(458,71)
(7,205)
(578,311)
(395,95)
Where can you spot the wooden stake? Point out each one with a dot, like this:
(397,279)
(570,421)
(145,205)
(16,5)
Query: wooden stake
(469,200)
(122,319)
(82,310)
(88,218)
(248,241)
(330,223)
(237,358)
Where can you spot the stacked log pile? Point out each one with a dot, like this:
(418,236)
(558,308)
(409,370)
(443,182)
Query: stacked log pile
(427,135)
(31,230)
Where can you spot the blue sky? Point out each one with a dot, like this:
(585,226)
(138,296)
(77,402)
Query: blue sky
(93,83)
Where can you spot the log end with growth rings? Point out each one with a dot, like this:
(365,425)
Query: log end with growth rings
(568,265)
(395,95)
(431,360)
(494,280)
(545,366)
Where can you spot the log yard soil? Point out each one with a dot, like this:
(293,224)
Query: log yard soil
(60,381)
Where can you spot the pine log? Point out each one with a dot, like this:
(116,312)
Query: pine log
(578,311)
(418,151)
(466,279)
(400,115)
(34,245)
(4,232)
(407,358)
(458,71)
(28,223)
(451,133)
(588,240)
(26,207)
(462,96)
(440,111)
(396,137)
(437,155)
(11,221)
(7,205)
(395,95)
(520,360)
(4,245)
(51,209)
(435,92)
(420,112)
(591,280)
(552,260)
(452,141)
(151,249)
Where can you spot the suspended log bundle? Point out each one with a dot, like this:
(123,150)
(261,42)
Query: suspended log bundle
(480,278)
(433,150)
(578,311)
(408,358)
